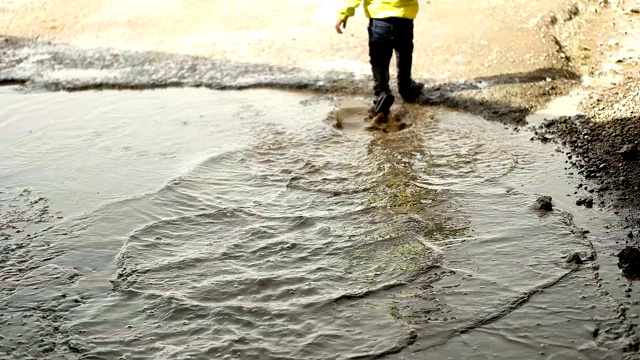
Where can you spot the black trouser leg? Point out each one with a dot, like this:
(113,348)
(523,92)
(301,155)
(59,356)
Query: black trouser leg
(403,46)
(380,52)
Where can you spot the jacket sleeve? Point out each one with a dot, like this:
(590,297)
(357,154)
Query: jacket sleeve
(349,8)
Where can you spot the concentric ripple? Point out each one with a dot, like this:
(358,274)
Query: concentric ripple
(242,225)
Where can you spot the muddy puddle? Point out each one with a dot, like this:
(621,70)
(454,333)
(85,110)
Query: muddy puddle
(198,224)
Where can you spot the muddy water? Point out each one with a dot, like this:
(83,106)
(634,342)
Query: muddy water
(194,224)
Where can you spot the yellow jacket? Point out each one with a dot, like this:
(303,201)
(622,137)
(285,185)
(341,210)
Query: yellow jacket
(379,9)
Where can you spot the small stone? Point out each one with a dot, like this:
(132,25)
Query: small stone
(544,203)
(551,19)
(77,346)
(585,201)
(574,259)
(629,153)
(571,12)
(629,260)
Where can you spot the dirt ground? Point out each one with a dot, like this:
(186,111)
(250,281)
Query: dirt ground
(454,40)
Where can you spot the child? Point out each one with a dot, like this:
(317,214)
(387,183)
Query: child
(390,28)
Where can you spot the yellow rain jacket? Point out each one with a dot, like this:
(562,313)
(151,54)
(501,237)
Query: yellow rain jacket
(380,9)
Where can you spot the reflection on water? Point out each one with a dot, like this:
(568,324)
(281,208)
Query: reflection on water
(204,224)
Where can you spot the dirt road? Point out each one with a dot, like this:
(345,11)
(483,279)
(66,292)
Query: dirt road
(454,40)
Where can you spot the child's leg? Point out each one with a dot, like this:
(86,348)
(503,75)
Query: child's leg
(380,52)
(404,58)
(404,52)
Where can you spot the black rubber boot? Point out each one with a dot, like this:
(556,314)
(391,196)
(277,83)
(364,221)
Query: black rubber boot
(411,92)
(382,103)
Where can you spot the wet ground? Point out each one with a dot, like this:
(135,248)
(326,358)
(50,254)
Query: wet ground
(171,207)
(295,240)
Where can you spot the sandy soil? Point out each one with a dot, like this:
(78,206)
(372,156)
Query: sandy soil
(454,40)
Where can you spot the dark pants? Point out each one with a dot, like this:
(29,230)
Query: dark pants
(385,36)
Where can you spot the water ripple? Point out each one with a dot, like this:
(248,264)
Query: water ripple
(282,238)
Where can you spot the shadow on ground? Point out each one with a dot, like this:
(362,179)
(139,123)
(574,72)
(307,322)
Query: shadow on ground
(508,98)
